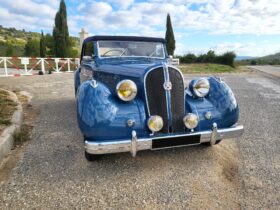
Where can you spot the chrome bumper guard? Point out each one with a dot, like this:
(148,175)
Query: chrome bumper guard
(133,145)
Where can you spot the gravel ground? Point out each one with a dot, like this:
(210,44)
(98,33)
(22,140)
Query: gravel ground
(273,70)
(239,174)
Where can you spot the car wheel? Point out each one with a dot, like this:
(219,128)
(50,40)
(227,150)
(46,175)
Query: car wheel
(208,143)
(91,157)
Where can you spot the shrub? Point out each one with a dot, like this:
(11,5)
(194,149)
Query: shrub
(188,58)
(210,57)
(226,58)
(253,62)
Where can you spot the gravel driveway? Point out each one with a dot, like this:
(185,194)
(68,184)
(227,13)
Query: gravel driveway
(239,174)
(273,70)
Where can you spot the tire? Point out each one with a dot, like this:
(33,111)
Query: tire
(91,157)
(208,143)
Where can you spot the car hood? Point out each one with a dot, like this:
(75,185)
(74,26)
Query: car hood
(135,70)
(112,73)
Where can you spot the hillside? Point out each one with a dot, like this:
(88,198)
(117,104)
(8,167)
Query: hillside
(273,59)
(14,40)
(240,58)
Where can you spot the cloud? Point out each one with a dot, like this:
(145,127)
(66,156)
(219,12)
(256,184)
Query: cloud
(214,17)
(28,8)
(123,4)
(250,48)
(99,9)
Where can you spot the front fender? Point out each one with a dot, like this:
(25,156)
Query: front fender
(77,79)
(103,116)
(220,102)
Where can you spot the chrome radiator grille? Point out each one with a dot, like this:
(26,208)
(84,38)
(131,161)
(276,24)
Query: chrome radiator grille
(163,101)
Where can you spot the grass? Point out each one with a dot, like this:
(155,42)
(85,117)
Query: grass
(209,68)
(7,108)
(23,135)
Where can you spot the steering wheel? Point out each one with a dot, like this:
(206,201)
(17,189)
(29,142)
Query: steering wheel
(117,50)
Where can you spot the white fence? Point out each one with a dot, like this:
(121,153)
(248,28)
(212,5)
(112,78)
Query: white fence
(17,66)
(174,61)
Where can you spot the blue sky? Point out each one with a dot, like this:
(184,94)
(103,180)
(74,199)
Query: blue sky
(248,27)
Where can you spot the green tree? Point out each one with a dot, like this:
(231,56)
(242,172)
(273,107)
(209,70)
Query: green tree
(253,62)
(227,58)
(49,43)
(32,47)
(210,57)
(189,58)
(9,50)
(60,32)
(169,36)
(42,46)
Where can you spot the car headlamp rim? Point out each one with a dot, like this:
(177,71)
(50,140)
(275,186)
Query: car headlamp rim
(132,91)
(155,123)
(200,87)
(191,121)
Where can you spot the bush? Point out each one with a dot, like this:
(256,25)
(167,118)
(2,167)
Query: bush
(188,58)
(253,62)
(210,57)
(227,58)
(32,47)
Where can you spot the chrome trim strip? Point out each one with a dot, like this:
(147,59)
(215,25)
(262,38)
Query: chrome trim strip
(133,145)
(167,95)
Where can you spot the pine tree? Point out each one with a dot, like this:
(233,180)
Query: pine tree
(60,32)
(42,46)
(169,36)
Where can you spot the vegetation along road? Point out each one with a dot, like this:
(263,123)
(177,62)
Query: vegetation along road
(53,173)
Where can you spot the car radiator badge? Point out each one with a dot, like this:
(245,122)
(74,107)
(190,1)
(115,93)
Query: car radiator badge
(167,85)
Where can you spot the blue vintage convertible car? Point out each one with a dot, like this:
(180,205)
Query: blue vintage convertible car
(130,98)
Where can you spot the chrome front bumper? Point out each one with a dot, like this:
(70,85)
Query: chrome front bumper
(134,144)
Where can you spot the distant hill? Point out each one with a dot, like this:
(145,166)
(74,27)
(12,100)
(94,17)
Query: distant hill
(273,59)
(16,39)
(240,58)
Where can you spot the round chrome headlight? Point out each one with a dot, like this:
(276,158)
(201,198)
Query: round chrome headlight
(126,90)
(155,123)
(200,87)
(191,120)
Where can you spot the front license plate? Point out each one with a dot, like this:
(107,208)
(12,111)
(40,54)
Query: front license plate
(175,141)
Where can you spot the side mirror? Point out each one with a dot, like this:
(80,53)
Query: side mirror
(87,58)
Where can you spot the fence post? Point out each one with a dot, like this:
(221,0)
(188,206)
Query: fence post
(68,64)
(42,65)
(5,66)
(56,60)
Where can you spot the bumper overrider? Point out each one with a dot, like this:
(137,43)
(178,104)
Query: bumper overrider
(160,142)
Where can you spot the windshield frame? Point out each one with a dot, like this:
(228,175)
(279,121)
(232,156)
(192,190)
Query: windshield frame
(100,57)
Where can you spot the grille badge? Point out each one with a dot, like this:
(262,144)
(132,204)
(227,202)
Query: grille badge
(167,85)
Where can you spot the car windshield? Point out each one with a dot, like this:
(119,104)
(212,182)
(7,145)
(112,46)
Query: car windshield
(130,49)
